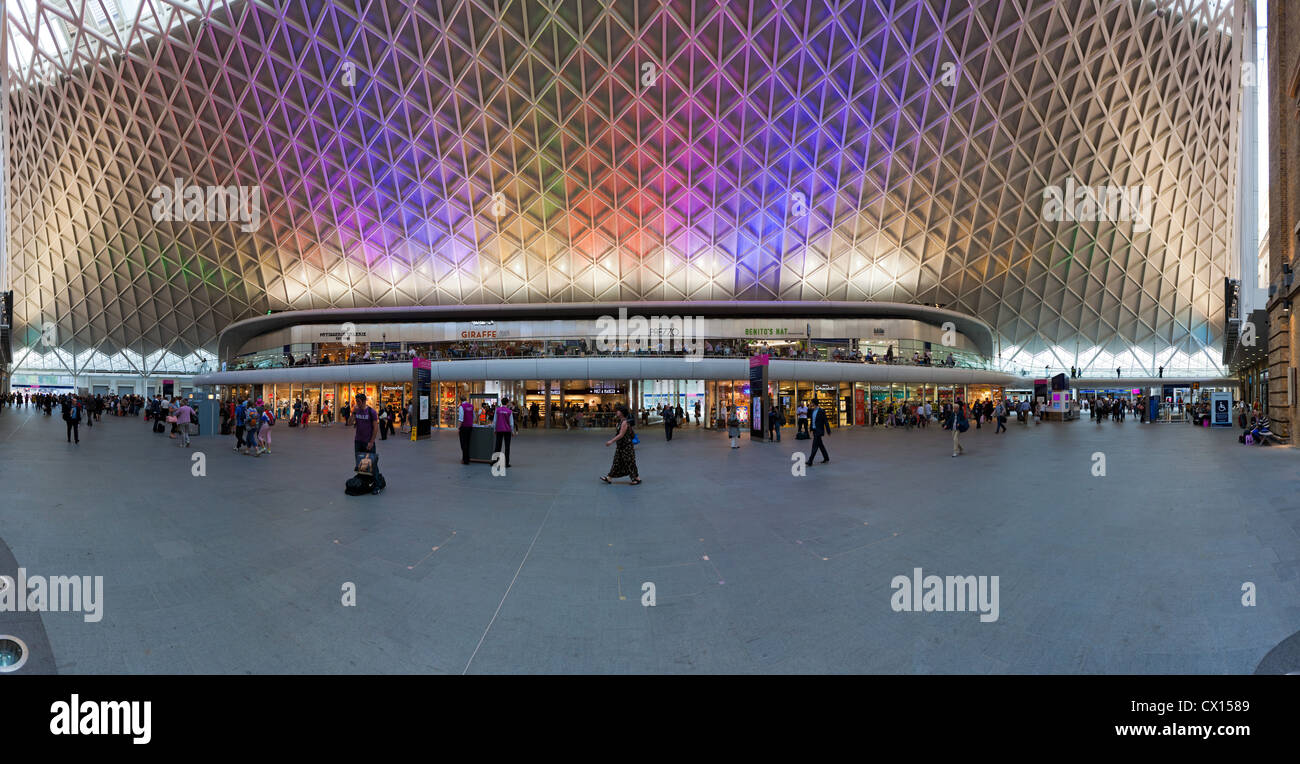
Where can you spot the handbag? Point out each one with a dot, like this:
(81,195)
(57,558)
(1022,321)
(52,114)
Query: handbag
(171,420)
(635,439)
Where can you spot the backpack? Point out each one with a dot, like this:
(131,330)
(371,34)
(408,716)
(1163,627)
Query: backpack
(270,417)
(358,485)
(74,413)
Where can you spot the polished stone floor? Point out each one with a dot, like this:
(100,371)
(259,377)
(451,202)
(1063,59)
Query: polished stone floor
(754,569)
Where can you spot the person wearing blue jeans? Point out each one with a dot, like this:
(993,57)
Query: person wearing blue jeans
(363,439)
(241,414)
(250,431)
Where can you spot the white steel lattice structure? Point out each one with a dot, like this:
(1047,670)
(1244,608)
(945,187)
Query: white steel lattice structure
(408,152)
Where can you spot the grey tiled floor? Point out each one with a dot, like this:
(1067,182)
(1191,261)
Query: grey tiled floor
(755,570)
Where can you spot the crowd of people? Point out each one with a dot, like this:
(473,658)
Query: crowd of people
(251,421)
(1115,409)
(76,410)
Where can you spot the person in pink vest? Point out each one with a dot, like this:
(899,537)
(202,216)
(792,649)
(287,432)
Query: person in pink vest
(505,426)
(466,428)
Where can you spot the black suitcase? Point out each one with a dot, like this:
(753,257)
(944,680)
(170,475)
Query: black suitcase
(801,436)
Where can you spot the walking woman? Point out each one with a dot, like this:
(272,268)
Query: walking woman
(733,427)
(264,422)
(624,453)
(960,424)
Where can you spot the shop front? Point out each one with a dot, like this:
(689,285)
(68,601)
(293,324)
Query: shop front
(721,395)
(657,393)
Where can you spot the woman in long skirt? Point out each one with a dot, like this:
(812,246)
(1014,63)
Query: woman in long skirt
(624,454)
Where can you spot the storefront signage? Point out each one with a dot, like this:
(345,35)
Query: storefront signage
(666,329)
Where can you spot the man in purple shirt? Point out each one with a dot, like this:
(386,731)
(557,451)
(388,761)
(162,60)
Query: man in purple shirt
(366,418)
(184,415)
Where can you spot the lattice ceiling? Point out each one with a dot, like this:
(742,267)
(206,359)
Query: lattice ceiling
(440,151)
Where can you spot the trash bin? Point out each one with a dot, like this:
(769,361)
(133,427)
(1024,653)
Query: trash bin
(481,442)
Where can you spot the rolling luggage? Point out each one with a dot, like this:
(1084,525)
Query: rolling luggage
(801,436)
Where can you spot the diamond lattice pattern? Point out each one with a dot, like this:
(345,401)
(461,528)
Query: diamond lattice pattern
(500,151)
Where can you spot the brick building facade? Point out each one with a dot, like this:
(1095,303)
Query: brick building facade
(1284,212)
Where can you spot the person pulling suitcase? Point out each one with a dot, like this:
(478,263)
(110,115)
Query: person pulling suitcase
(363,449)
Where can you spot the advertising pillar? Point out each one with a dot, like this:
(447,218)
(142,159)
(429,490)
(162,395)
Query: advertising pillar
(758,395)
(421,389)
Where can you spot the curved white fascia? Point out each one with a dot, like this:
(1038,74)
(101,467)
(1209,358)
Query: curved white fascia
(614,368)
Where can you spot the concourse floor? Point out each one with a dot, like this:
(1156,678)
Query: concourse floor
(754,569)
